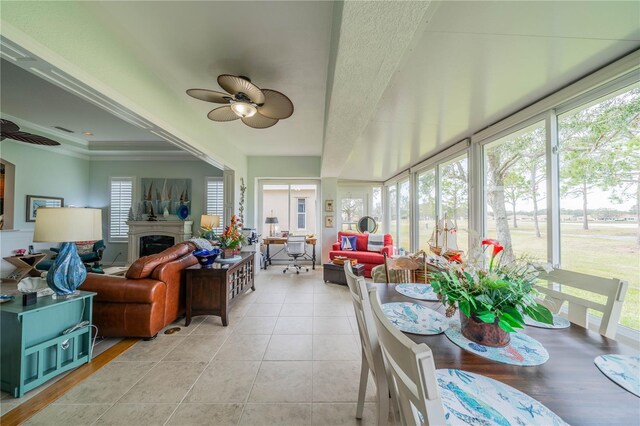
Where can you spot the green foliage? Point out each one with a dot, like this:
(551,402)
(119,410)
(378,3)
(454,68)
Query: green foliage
(505,294)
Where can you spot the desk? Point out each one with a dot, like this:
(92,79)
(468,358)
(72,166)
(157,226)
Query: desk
(267,241)
(25,265)
(569,383)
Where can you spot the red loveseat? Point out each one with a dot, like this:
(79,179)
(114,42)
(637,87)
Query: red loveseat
(368,258)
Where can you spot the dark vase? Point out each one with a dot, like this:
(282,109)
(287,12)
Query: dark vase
(482,332)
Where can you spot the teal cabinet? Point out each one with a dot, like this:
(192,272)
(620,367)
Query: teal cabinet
(33,346)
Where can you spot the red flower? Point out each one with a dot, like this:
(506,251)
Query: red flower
(497,248)
(456,258)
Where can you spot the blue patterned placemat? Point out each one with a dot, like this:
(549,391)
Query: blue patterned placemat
(413,318)
(522,350)
(470,398)
(624,370)
(558,322)
(417,291)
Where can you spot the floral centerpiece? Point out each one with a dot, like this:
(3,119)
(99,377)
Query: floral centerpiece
(231,239)
(493,301)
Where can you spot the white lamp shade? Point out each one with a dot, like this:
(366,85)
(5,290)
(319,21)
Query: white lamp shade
(64,224)
(209,221)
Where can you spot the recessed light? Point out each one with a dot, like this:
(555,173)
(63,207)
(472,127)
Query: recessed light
(87,133)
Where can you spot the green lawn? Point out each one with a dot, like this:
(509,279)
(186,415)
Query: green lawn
(606,250)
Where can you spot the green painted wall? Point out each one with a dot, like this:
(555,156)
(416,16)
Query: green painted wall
(275,167)
(39,171)
(101,171)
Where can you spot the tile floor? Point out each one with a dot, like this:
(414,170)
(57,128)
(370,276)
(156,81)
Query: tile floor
(290,356)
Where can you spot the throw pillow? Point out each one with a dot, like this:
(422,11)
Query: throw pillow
(375,243)
(84,247)
(348,243)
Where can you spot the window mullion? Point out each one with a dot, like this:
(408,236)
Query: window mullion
(553,189)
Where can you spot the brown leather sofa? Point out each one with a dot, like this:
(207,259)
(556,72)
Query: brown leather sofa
(148,298)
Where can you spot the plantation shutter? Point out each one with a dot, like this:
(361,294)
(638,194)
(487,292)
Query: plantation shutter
(215,200)
(121,199)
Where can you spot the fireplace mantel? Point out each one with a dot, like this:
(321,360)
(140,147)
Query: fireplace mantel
(179,230)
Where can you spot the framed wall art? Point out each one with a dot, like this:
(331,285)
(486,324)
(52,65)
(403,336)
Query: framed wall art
(328,221)
(328,205)
(34,202)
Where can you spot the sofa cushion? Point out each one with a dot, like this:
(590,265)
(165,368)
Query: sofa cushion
(143,267)
(360,256)
(361,239)
(348,243)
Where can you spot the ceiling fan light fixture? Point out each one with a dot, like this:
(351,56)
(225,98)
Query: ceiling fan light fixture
(244,109)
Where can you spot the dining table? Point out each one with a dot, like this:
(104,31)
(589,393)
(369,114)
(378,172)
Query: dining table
(569,383)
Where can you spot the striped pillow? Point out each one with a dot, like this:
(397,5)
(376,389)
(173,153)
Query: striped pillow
(375,242)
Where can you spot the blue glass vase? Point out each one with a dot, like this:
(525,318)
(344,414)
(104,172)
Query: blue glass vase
(67,272)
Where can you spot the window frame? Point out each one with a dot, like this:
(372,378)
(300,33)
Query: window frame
(120,238)
(303,213)
(219,208)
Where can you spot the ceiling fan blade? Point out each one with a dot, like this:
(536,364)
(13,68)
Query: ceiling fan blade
(276,105)
(8,126)
(235,85)
(30,138)
(224,113)
(209,96)
(259,121)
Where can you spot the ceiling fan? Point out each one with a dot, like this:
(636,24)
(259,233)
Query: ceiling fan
(10,130)
(257,108)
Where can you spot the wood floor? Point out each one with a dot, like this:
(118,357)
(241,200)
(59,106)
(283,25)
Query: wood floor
(36,404)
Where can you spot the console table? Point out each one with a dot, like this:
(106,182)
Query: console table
(213,291)
(25,265)
(34,347)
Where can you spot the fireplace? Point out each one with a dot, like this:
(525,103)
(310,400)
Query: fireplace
(152,244)
(152,237)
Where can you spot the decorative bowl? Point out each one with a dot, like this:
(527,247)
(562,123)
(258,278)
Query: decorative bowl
(206,257)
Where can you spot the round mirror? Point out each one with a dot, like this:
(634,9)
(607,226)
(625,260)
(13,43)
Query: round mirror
(367,224)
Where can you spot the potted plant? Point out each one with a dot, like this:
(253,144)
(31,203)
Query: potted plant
(231,239)
(493,301)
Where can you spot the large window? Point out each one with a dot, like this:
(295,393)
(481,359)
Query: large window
(515,192)
(293,204)
(351,210)
(404,215)
(426,203)
(454,197)
(599,146)
(392,212)
(120,202)
(214,200)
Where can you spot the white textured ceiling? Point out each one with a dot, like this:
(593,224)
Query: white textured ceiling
(280,45)
(478,62)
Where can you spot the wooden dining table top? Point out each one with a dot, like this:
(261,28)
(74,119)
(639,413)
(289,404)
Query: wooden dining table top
(569,383)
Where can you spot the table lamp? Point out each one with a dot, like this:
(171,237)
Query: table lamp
(271,220)
(208,222)
(67,225)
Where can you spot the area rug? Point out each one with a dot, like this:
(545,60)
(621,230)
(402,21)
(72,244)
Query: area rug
(418,291)
(624,370)
(558,322)
(522,350)
(413,318)
(470,398)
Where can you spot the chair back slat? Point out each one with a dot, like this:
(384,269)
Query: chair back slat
(613,289)
(412,371)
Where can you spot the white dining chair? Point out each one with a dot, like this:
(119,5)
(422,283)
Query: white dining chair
(613,289)
(372,360)
(412,372)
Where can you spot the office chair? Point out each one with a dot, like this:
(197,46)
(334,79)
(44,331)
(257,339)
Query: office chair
(296,246)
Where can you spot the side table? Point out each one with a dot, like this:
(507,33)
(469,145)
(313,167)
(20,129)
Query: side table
(335,273)
(213,291)
(33,346)
(25,265)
